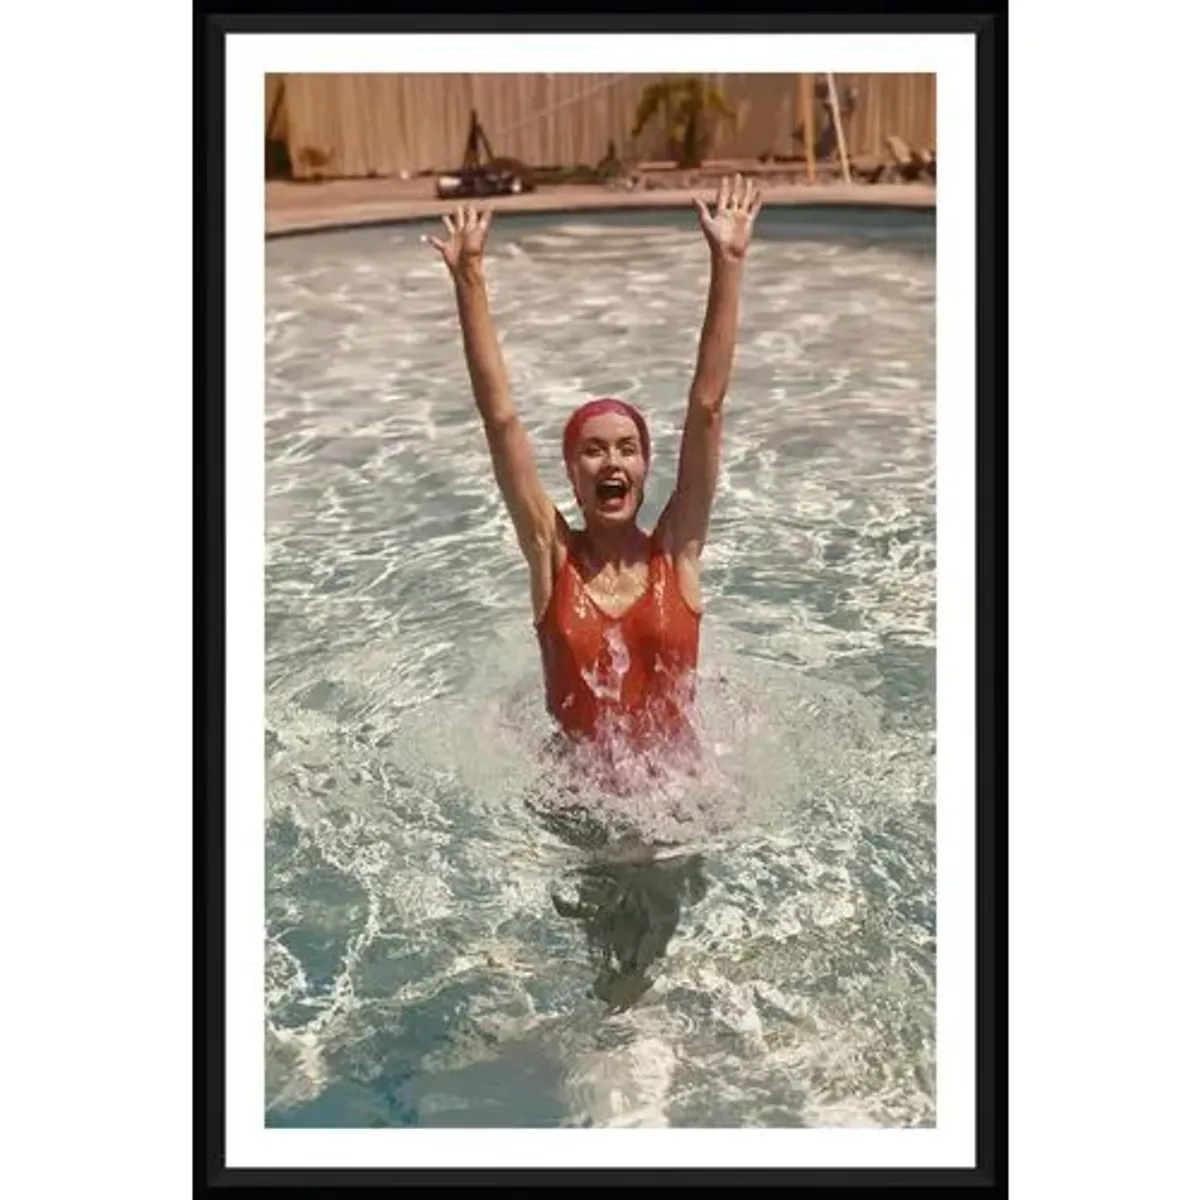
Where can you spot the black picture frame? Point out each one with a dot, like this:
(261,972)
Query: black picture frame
(212,517)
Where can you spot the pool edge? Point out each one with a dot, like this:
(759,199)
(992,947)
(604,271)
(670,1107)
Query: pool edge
(377,214)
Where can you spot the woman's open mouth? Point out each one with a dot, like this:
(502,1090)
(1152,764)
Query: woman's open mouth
(611,493)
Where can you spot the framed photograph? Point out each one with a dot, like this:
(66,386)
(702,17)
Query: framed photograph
(600,661)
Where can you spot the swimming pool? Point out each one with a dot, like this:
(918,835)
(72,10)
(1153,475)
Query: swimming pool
(436,953)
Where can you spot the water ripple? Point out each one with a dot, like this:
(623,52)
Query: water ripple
(436,954)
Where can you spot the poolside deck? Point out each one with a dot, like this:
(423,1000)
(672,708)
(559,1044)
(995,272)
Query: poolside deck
(307,207)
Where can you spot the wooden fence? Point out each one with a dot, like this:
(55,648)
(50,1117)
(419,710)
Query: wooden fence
(384,125)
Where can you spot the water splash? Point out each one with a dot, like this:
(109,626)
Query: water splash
(608,678)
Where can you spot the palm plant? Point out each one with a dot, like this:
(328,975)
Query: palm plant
(689,108)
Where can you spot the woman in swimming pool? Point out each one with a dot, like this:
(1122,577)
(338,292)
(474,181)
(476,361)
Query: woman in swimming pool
(616,609)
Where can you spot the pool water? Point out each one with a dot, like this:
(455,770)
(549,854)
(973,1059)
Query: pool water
(440,949)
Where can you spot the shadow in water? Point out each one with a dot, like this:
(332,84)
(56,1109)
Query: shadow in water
(629,912)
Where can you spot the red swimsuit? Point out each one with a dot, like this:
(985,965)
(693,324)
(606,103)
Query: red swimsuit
(626,682)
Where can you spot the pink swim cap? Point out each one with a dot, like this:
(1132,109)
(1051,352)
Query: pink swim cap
(594,408)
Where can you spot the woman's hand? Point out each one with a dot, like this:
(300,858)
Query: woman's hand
(467,232)
(727,229)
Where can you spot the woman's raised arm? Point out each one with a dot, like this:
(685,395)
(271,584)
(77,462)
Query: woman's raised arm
(529,505)
(727,230)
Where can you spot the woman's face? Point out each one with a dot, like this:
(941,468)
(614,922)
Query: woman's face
(608,469)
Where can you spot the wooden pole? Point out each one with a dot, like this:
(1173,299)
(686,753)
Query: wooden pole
(837,124)
(804,84)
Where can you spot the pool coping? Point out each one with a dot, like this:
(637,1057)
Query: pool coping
(297,209)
